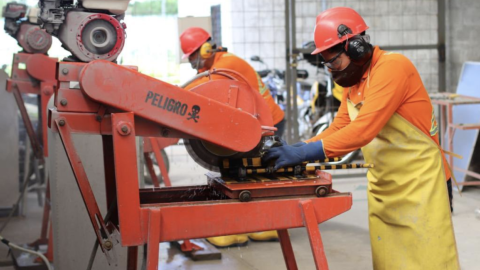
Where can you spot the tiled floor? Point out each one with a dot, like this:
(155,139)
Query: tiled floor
(345,238)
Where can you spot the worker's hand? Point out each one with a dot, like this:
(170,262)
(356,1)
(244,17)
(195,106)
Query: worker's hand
(288,155)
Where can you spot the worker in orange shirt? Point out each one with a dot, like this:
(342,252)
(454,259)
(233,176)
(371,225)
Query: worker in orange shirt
(203,55)
(387,112)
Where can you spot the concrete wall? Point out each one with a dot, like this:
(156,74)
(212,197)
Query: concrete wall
(258,27)
(463,28)
(73,234)
(391,22)
(9,185)
(252,27)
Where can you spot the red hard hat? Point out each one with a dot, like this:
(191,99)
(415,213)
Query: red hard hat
(326,29)
(192,39)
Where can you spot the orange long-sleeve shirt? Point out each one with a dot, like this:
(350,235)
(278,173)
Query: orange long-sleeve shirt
(393,86)
(228,60)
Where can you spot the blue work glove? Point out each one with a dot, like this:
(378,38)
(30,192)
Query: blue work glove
(298,144)
(287,155)
(283,142)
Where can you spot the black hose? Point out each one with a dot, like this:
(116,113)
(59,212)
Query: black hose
(92,255)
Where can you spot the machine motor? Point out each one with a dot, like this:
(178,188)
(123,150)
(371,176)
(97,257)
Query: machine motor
(90,30)
(91,36)
(30,37)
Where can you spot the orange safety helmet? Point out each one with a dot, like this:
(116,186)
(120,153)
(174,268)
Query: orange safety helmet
(329,31)
(192,39)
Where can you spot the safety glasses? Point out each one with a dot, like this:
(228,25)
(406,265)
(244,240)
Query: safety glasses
(335,62)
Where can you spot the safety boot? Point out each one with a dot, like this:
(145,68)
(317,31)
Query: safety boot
(236,240)
(264,236)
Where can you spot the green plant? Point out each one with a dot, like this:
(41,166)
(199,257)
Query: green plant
(152,7)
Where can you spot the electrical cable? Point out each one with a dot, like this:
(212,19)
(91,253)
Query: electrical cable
(15,246)
(93,254)
(14,209)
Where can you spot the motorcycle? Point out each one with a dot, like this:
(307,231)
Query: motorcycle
(314,106)
(304,105)
(274,79)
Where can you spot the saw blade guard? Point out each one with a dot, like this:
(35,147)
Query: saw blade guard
(210,155)
(209,116)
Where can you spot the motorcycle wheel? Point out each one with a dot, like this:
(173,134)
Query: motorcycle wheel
(319,129)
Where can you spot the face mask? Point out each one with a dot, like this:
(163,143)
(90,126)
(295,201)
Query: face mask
(350,75)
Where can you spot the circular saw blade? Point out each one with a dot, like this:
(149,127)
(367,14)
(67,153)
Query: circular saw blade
(211,156)
(203,156)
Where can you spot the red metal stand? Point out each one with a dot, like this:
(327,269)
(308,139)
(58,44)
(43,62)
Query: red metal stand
(46,229)
(155,145)
(151,170)
(447,101)
(145,218)
(160,161)
(287,249)
(311,223)
(35,74)
(151,216)
(267,215)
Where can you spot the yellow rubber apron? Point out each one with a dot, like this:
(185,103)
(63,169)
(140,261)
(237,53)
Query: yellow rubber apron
(408,207)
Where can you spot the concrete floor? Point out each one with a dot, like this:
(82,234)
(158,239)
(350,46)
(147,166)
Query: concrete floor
(345,238)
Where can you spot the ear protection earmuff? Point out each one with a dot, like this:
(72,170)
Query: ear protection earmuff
(356,47)
(206,50)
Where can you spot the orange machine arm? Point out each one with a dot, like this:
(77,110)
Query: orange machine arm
(220,112)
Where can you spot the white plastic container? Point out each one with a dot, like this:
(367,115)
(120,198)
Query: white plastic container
(114,6)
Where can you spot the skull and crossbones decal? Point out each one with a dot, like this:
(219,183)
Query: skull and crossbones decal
(194,114)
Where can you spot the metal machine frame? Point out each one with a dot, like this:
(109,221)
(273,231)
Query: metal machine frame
(42,69)
(150,216)
(35,74)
